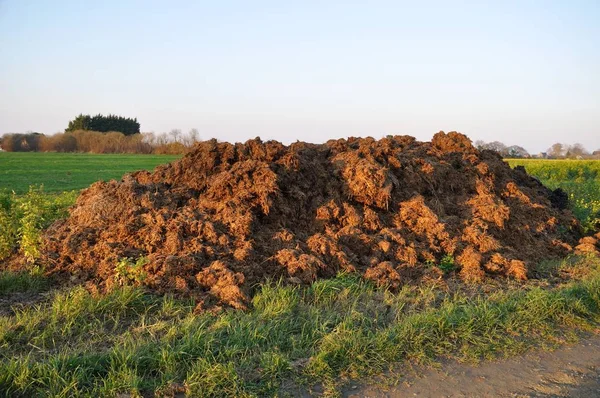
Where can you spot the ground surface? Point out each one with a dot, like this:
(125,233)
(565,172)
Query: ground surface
(67,171)
(571,371)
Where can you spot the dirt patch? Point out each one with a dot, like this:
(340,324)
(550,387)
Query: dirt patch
(12,302)
(570,371)
(226,217)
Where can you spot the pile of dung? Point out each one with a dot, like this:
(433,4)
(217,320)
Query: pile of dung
(589,245)
(227,217)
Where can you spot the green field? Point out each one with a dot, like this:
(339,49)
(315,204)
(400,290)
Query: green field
(579,178)
(59,172)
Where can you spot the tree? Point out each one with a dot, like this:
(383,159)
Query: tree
(149,138)
(29,142)
(556,150)
(495,146)
(175,134)
(161,139)
(479,144)
(516,151)
(578,151)
(190,138)
(81,122)
(194,135)
(104,124)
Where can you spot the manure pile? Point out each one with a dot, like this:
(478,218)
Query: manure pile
(229,216)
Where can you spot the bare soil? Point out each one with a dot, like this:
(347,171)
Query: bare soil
(226,217)
(12,302)
(571,371)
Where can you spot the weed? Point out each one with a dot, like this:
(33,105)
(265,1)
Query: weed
(31,209)
(8,227)
(447,264)
(11,282)
(23,218)
(131,273)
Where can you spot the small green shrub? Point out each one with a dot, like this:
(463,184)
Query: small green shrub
(23,218)
(32,217)
(8,227)
(447,264)
(129,272)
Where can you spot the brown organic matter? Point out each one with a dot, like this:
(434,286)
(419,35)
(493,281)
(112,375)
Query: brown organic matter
(227,217)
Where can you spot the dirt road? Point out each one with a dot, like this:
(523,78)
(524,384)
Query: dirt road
(571,371)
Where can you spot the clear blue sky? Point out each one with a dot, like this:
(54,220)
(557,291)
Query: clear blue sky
(522,72)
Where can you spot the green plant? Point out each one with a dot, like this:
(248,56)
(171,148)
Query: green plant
(129,272)
(23,218)
(447,264)
(8,226)
(11,282)
(32,216)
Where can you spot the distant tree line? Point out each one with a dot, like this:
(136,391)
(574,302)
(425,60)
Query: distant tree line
(556,151)
(174,142)
(101,134)
(177,142)
(104,124)
(575,151)
(513,151)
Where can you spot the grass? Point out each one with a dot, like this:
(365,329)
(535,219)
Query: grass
(130,342)
(579,178)
(13,282)
(59,172)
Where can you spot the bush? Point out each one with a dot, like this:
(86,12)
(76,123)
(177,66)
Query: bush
(58,143)
(21,142)
(97,142)
(105,124)
(8,226)
(129,272)
(23,218)
(172,148)
(31,210)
